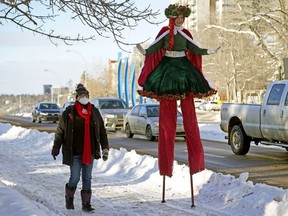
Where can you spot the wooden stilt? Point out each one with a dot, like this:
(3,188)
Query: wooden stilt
(192,191)
(163,190)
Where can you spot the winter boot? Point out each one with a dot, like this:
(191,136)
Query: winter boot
(69,196)
(86,200)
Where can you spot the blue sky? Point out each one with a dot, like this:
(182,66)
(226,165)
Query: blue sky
(28,61)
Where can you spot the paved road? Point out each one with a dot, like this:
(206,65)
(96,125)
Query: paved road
(265,165)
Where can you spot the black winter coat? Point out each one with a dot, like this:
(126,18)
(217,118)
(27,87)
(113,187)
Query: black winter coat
(64,134)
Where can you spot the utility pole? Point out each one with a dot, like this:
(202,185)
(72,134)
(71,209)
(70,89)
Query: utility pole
(285,60)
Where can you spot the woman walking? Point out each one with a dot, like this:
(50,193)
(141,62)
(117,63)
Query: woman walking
(82,136)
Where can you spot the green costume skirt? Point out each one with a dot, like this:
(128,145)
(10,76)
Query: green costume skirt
(175,78)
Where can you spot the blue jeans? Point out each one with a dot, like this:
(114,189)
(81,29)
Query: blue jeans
(75,171)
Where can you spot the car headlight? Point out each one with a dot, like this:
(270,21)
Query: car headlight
(42,113)
(109,116)
(156,124)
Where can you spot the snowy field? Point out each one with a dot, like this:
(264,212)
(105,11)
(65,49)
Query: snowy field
(32,183)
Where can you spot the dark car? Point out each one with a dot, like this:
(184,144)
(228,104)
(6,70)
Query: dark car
(46,111)
(144,119)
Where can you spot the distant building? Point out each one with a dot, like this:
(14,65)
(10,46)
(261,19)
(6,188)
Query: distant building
(47,89)
(209,12)
(59,94)
(202,13)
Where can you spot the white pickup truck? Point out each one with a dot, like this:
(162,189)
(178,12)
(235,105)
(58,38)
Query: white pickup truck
(266,124)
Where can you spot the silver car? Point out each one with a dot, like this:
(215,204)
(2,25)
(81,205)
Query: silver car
(212,106)
(144,119)
(65,105)
(112,111)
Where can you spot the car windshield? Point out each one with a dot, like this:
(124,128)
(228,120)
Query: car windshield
(68,104)
(152,111)
(112,104)
(49,106)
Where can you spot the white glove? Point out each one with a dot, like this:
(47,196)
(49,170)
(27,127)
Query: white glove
(105,153)
(213,50)
(141,49)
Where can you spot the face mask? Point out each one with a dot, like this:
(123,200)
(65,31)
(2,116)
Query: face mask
(83,100)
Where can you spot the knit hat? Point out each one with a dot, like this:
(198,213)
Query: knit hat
(174,10)
(80,89)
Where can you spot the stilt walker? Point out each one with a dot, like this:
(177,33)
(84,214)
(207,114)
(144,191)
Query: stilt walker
(172,71)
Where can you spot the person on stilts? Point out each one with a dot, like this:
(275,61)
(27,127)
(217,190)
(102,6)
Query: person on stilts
(172,71)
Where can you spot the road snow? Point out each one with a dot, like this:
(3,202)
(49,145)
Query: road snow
(32,183)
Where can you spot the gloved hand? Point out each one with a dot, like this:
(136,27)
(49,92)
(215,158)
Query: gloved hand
(141,49)
(105,153)
(55,152)
(213,50)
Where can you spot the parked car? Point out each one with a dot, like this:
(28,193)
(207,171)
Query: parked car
(144,119)
(197,103)
(65,105)
(45,111)
(212,106)
(113,111)
(202,105)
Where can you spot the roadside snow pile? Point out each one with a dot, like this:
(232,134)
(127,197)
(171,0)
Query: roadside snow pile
(32,183)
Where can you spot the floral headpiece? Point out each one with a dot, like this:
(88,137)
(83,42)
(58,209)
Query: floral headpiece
(174,10)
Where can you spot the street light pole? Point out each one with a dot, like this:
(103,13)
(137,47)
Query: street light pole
(85,70)
(52,92)
(53,72)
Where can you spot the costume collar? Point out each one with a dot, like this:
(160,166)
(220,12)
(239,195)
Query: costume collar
(178,29)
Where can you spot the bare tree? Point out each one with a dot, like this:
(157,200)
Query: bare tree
(254,43)
(109,18)
(267,20)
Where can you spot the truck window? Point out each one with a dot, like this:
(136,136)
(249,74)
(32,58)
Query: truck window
(275,94)
(286,100)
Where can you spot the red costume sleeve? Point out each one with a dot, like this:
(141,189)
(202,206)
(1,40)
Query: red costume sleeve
(151,61)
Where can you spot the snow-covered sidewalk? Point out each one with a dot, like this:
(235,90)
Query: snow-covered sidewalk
(32,183)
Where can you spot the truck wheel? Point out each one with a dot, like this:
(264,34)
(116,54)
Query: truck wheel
(129,134)
(240,143)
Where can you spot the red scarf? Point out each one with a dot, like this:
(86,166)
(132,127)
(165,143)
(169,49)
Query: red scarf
(86,114)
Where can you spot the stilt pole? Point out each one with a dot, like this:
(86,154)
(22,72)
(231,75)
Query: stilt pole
(163,190)
(192,191)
